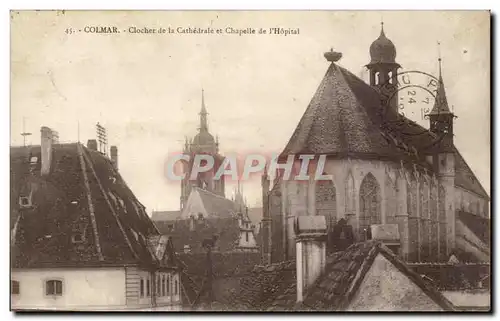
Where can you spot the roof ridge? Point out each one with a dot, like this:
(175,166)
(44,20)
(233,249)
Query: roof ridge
(213,194)
(319,92)
(120,226)
(80,151)
(433,293)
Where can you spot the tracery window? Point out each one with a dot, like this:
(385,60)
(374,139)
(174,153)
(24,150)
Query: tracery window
(369,204)
(326,201)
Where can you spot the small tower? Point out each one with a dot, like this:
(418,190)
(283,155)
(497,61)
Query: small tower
(441,125)
(441,118)
(383,67)
(266,220)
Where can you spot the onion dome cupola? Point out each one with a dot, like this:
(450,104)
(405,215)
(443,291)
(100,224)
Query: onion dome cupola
(383,65)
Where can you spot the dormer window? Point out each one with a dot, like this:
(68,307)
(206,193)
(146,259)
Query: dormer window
(77,238)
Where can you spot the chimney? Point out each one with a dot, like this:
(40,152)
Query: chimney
(310,240)
(92,144)
(46,149)
(114,155)
(387,234)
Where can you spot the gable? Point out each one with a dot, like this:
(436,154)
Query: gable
(386,288)
(194,205)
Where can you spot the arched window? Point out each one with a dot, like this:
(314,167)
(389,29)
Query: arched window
(326,201)
(369,204)
(350,194)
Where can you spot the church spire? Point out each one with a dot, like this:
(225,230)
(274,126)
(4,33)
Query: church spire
(441,102)
(203,114)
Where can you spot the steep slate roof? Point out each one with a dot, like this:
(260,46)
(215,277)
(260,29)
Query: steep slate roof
(82,195)
(216,205)
(337,120)
(346,117)
(227,231)
(165,215)
(273,287)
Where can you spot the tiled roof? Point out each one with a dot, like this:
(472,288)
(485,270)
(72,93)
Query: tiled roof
(165,215)
(273,287)
(83,195)
(185,232)
(478,225)
(465,177)
(345,118)
(345,271)
(227,269)
(216,205)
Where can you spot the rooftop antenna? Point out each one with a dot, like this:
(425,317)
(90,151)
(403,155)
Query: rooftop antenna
(24,133)
(102,138)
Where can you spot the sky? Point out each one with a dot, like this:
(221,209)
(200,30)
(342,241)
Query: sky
(145,89)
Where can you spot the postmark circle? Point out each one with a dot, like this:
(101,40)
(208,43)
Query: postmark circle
(407,98)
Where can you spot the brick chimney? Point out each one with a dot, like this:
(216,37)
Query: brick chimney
(114,155)
(310,241)
(46,150)
(92,144)
(388,234)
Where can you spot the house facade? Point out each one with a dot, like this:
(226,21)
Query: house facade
(80,239)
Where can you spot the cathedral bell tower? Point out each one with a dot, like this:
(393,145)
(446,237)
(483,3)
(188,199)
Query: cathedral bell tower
(202,143)
(383,67)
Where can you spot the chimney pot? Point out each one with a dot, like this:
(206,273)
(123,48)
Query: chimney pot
(310,239)
(92,144)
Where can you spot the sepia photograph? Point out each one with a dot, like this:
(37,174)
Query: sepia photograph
(250,161)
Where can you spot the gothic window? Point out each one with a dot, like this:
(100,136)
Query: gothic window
(369,203)
(350,194)
(326,204)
